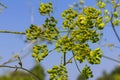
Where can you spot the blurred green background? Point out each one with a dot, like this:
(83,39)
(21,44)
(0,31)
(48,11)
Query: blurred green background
(22,75)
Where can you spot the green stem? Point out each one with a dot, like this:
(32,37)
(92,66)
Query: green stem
(64,54)
(12,32)
(64,59)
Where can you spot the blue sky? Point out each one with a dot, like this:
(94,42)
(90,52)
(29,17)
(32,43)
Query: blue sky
(17,17)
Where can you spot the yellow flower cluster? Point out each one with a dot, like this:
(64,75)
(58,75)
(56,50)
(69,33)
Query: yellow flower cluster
(50,30)
(115,14)
(34,32)
(94,56)
(69,16)
(84,30)
(45,8)
(80,52)
(81,20)
(106,18)
(116,22)
(101,4)
(64,44)
(83,36)
(86,72)
(40,52)
(91,13)
(58,73)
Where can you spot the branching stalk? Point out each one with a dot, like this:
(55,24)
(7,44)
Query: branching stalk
(16,67)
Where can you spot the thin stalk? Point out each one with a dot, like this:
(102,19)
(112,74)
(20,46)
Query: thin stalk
(13,60)
(3,5)
(113,27)
(76,64)
(12,32)
(109,58)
